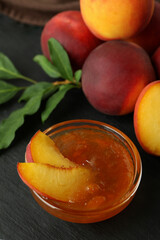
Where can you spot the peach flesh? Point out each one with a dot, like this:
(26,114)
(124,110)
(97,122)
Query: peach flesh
(147,118)
(42,149)
(113,76)
(55,183)
(117,19)
(70,30)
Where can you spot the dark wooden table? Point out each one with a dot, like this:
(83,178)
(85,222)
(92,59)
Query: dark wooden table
(21,218)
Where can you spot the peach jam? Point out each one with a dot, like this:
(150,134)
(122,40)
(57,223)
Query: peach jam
(112,158)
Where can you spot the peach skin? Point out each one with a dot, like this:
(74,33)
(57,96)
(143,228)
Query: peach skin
(114,74)
(116,19)
(28,154)
(70,30)
(149,38)
(156,61)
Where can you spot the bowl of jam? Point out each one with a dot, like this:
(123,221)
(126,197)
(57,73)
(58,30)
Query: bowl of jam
(113,160)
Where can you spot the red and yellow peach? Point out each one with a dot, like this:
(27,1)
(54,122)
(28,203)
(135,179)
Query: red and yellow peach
(149,38)
(116,19)
(113,76)
(70,30)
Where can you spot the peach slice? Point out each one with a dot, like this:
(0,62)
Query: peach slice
(55,183)
(42,149)
(147,118)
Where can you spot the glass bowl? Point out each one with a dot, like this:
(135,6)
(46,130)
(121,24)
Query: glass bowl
(69,211)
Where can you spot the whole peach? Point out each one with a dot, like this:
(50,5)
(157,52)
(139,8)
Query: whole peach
(156,61)
(116,19)
(70,30)
(114,74)
(149,38)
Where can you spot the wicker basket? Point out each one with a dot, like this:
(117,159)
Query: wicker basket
(36,12)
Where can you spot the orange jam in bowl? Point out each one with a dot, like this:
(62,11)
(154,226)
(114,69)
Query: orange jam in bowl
(114,161)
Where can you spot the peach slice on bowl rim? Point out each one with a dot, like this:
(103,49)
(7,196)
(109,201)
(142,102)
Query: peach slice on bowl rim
(62,184)
(42,149)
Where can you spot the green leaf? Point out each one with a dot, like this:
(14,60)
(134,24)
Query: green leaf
(35,89)
(9,126)
(7,91)
(7,69)
(47,66)
(50,91)
(60,59)
(77,75)
(54,100)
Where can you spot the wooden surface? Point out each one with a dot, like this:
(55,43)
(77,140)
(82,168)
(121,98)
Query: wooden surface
(21,218)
